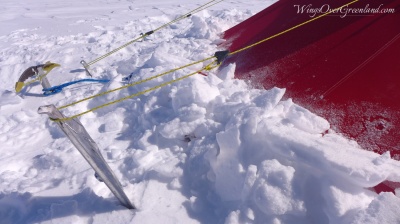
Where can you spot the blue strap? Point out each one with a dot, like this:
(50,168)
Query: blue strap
(57,89)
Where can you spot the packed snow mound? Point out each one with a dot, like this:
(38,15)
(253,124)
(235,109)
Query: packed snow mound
(208,149)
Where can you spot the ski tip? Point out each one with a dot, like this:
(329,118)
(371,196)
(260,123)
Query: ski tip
(18,86)
(48,66)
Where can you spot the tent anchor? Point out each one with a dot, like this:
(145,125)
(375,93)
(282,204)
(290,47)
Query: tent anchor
(81,139)
(86,66)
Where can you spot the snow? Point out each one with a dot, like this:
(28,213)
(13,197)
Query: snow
(207,149)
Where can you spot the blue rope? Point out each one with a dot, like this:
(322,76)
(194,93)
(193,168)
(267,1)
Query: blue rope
(57,89)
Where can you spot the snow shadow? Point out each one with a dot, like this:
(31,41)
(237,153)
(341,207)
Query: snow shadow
(26,208)
(78,70)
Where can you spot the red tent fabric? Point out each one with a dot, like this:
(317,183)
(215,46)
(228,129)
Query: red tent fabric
(344,67)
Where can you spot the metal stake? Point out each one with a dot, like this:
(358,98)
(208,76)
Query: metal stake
(81,139)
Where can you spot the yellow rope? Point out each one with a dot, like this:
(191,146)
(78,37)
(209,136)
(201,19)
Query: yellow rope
(135,83)
(292,28)
(198,9)
(208,67)
(369,59)
(116,49)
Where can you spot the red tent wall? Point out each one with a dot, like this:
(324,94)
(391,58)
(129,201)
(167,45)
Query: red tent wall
(344,68)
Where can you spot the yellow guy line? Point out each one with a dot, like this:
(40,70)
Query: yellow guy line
(183,77)
(207,67)
(292,28)
(369,59)
(196,10)
(134,84)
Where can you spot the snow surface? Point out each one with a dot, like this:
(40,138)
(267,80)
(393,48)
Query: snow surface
(208,149)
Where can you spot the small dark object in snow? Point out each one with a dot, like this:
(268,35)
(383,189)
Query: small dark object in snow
(189,137)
